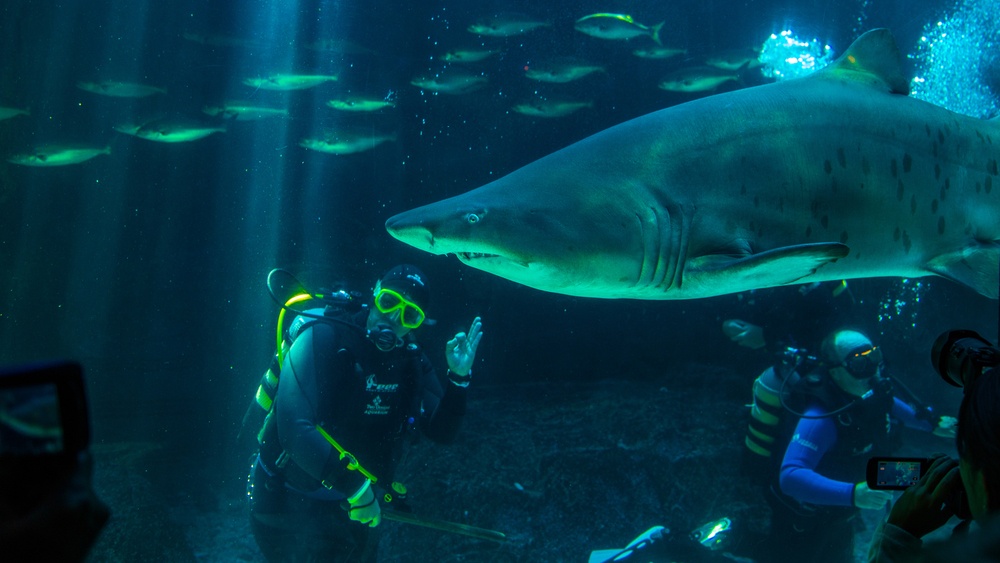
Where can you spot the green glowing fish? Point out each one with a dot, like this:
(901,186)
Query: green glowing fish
(616,27)
(286,82)
(58,155)
(361,103)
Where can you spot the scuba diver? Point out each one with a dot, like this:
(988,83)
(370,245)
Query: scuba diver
(843,409)
(353,386)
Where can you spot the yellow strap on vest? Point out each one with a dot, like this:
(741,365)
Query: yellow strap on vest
(352,461)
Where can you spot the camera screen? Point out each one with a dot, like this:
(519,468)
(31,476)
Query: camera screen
(898,473)
(30,420)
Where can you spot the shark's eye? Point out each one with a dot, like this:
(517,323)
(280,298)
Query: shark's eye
(472,218)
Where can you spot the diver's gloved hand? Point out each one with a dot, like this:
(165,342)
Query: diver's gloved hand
(744,333)
(946,427)
(868,499)
(461,352)
(365,509)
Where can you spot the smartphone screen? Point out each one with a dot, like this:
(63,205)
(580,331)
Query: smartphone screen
(895,473)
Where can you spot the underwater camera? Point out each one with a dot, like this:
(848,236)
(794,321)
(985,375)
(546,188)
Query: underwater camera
(960,356)
(44,427)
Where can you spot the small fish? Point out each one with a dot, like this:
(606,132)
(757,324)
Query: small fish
(120,89)
(285,82)
(616,27)
(561,70)
(550,108)
(58,155)
(453,82)
(505,25)
(697,79)
(7,113)
(173,131)
(361,103)
(346,141)
(244,111)
(738,59)
(468,55)
(659,53)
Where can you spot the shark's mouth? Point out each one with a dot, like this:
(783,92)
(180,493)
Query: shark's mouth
(467,256)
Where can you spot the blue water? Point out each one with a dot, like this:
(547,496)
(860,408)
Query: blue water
(148,264)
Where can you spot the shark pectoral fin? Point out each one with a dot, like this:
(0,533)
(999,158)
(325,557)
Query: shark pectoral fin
(780,266)
(975,266)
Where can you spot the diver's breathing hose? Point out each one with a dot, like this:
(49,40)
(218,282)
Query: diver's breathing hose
(287,306)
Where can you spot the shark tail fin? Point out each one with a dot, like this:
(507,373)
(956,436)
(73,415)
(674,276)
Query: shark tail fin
(872,59)
(976,266)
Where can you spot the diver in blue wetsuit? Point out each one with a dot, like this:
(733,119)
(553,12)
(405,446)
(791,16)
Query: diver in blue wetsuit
(846,413)
(352,388)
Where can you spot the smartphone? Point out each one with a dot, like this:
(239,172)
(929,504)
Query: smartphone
(43,412)
(895,473)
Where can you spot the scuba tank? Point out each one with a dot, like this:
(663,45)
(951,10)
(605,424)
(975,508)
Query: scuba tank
(335,303)
(763,441)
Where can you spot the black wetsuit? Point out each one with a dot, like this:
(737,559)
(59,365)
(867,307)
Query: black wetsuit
(366,400)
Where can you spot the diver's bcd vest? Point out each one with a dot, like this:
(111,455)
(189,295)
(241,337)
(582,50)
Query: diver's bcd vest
(338,305)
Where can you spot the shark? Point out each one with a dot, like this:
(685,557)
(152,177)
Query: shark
(837,175)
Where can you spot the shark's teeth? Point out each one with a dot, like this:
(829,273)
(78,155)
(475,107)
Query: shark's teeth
(471,255)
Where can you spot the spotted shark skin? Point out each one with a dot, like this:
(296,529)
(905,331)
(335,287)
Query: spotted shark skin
(837,175)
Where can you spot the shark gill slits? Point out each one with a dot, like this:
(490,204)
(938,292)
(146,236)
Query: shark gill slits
(907,163)
(934,206)
(993,167)
(841,157)
(940,136)
(907,243)
(940,225)
(988,184)
(927,128)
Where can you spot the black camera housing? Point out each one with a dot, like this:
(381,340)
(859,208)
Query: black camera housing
(960,356)
(38,389)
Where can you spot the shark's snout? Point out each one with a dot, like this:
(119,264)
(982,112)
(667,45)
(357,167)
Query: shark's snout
(408,228)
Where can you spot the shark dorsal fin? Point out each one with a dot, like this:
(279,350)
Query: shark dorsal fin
(872,59)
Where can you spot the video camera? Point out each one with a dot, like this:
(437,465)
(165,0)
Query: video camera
(44,427)
(959,357)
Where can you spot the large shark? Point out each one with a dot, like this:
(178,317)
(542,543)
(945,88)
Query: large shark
(836,175)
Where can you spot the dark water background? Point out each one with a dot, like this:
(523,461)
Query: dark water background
(148,265)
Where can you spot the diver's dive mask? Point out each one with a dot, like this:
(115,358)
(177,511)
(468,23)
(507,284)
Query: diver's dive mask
(864,362)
